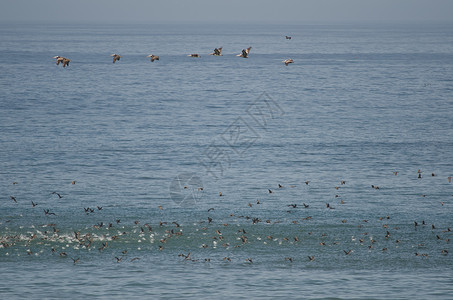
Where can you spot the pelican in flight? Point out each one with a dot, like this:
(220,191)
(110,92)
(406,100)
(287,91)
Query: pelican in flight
(217,52)
(194,55)
(63,60)
(245,52)
(116,57)
(153,57)
(288,61)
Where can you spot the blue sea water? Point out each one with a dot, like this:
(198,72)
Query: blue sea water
(154,145)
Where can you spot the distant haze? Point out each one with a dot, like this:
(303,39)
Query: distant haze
(226,11)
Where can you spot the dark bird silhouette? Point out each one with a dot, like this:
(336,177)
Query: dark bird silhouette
(270,191)
(13,198)
(311,258)
(47,212)
(289,259)
(210,209)
(116,57)
(59,195)
(287,37)
(347,252)
(33,203)
(75,260)
(305,205)
(118,259)
(194,55)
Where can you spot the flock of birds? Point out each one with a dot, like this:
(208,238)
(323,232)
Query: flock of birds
(102,236)
(217,52)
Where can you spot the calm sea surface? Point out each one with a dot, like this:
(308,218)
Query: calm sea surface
(111,174)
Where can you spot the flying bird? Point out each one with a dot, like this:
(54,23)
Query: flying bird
(116,57)
(217,52)
(245,52)
(194,55)
(288,61)
(153,57)
(63,60)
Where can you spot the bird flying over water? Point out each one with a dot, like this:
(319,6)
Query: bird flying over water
(153,57)
(63,60)
(194,55)
(116,57)
(288,61)
(217,52)
(245,52)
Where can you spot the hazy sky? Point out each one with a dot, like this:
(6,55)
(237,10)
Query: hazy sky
(225,11)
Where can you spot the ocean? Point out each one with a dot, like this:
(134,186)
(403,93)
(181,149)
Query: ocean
(223,177)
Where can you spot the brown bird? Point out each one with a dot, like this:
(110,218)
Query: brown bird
(217,52)
(63,60)
(288,61)
(449,179)
(116,57)
(245,52)
(153,57)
